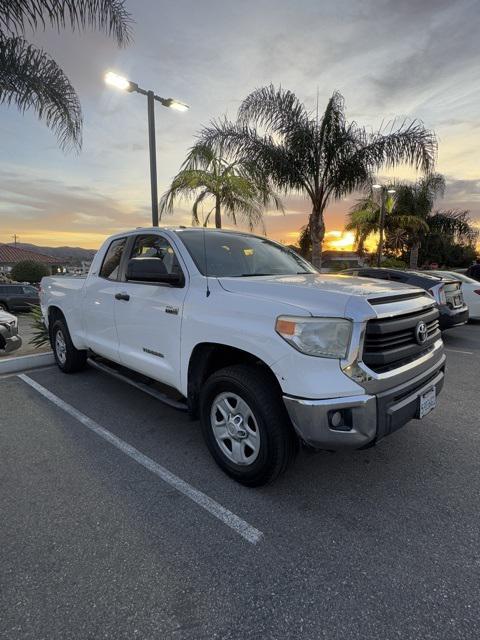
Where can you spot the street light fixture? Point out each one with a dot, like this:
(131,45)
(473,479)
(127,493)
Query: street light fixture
(383,196)
(119,82)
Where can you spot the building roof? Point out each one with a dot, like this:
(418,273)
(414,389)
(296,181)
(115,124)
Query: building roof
(12,255)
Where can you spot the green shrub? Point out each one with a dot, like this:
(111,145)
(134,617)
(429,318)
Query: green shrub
(29,271)
(394,263)
(40,332)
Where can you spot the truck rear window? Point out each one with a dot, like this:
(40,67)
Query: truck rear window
(111,262)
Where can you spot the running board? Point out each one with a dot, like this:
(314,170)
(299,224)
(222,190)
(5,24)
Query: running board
(104,368)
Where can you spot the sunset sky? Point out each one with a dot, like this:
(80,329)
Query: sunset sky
(404,58)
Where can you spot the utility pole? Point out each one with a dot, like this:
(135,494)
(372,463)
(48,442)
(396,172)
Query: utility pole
(382,226)
(384,193)
(15,238)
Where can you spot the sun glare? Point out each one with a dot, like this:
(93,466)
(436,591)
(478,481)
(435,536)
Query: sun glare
(339,240)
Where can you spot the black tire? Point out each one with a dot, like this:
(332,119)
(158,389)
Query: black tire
(72,359)
(3,306)
(278,442)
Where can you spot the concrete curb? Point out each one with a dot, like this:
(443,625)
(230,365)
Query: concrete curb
(22,363)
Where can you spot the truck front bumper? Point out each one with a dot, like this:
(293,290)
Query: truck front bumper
(365,419)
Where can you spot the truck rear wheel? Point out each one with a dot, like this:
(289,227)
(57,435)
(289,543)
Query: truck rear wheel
(246,426)
(68,358)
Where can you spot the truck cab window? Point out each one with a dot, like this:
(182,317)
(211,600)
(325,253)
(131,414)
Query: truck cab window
(111,262)
(155,246)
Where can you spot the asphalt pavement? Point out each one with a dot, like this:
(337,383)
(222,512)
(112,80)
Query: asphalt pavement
(99,538)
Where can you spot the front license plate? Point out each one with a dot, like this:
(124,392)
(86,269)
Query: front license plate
(428,400)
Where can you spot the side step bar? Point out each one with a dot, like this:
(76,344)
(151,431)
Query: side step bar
(111,371)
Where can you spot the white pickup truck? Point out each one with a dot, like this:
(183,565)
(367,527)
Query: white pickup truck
(246,334)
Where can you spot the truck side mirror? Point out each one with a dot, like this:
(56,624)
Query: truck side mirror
(152,270)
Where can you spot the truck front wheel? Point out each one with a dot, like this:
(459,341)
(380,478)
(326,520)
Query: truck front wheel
(67,357)
(245,425)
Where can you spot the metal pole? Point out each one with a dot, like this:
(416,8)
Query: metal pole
(382,225)
(153,156)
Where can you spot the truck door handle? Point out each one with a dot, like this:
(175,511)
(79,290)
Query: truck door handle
(122,296)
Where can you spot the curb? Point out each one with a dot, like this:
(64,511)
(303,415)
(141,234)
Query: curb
(22,363)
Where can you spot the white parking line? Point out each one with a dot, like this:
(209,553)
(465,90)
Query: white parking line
(466,353)
(240,526)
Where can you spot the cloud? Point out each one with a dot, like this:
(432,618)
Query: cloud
(439,46)
(388,57)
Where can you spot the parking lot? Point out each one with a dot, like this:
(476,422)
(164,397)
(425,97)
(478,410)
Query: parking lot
(117,524)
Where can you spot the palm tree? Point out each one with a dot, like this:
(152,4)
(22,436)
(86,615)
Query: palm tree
(365,219)
(323,157)
(417,200)
(30,79)
(238,188)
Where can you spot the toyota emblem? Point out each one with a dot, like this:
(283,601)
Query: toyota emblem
(421,332)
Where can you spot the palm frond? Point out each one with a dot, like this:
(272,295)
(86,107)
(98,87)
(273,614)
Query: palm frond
(408,223)
(285,169)
(31,80)
(184,185)
(198,200)
(411,144)
(109,16)
(200,156)
(455,223)
(276,109)
(40,334)
(363,217)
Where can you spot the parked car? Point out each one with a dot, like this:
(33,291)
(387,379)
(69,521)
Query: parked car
(447,292)
(250,337)
(470,289)
(18,297)
(9,338)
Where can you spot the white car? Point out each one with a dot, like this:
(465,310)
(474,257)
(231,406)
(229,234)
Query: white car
(9,338)
(470,289)
(251,338)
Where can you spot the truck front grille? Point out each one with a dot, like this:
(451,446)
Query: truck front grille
(392,342)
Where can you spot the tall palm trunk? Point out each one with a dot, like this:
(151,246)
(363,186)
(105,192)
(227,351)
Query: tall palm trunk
(218,213)
(317,233)
(414,255)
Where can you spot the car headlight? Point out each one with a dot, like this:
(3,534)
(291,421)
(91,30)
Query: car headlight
(321,337)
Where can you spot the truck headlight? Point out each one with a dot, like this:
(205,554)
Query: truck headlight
(321,337)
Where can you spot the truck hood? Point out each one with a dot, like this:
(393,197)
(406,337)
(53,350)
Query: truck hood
(315,293)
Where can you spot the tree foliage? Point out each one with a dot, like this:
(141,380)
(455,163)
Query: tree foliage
(40,335)
(364,219)
(29,271)
(413,227)
(30,79)
(320,155)
(236,187)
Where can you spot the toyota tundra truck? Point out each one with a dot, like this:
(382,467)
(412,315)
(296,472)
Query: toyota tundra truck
(246,335)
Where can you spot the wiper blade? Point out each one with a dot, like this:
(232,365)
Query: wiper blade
(247,275)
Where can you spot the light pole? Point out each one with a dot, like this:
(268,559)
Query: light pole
(383,196)
(119,82)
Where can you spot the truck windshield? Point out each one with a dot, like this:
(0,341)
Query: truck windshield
(236,255)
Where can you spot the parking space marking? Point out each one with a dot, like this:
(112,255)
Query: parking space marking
(466,353)
(233,521)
